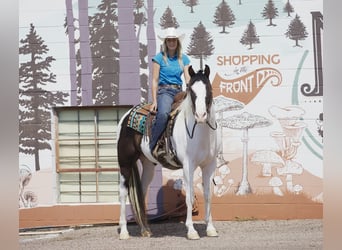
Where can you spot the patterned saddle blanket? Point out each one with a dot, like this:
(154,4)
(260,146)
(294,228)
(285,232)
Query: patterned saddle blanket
(140,119)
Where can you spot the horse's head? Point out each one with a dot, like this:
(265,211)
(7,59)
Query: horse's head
(200,92)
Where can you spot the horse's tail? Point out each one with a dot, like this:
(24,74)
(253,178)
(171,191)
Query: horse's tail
(136,198)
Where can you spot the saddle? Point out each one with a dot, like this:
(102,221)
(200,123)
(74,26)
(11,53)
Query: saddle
(140,119)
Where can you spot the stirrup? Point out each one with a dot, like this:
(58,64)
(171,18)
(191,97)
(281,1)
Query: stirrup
(158,152)
(154,152)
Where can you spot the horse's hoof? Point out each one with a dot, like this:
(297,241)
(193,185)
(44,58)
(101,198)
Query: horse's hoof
(146,234)
(212,233)
(193,236)
(124,236)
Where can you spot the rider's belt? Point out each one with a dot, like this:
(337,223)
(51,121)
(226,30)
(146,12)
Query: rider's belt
(172,86)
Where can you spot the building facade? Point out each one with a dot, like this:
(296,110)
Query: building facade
(83,64)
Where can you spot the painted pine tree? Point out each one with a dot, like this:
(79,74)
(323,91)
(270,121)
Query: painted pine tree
(201,44)
(151,37)
(224,16)
(70,31)
(270,12)
(105,52)
(139,17)
(143,76)
(191,4)
(35,101)
(140,20)
(288,8)
(79,94)
(250,36)
(85,53)
(168,19)
(129,76)
(296,30)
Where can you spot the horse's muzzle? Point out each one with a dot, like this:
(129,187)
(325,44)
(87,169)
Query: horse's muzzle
(201,117)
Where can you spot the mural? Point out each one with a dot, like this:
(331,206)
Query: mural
(34,100)
(266,69)
(248,76)
(26,198)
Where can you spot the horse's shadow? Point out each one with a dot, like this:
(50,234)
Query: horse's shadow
(166,228)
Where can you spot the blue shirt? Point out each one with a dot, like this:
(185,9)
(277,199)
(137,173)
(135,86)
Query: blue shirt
(170,73)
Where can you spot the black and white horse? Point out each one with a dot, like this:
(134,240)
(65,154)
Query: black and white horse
(194,139)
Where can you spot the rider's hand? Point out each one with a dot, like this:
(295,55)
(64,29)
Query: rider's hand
(153,108)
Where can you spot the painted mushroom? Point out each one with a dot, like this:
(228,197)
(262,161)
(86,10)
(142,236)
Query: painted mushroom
(244,122)
(291,167)
(267,159)
(289,119)
(295,130)
(275,183)
(25,176)
(220,190)
(31,199)
(224,170)
(219,186)
(287,116)
(297,189)
(230,182)
(222,105)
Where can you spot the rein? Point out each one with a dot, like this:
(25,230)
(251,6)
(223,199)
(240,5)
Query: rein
(193,128)
(187,129)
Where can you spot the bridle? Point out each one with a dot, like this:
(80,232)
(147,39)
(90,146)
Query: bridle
(208,100)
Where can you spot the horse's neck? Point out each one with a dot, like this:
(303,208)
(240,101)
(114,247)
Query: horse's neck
(212,115)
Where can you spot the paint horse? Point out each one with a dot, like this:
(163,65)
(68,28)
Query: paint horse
(195,141)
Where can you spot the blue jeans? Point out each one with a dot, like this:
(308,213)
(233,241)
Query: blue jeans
(165,97)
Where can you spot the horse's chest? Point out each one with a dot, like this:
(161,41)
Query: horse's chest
(201,146)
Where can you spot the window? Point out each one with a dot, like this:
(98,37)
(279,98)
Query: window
(86,154)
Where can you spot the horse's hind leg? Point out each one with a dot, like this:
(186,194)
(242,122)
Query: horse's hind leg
(146,179)
(123,222)
(147,174)
(135,193)
(207,175)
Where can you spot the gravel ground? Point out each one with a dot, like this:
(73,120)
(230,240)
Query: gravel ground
(256,234)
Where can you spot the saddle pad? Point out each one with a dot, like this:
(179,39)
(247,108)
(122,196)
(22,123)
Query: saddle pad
(137,118)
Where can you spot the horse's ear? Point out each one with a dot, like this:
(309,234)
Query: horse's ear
(191,71)
(207,71)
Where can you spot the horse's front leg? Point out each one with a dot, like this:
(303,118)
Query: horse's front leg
(123,222)
(207,176)
(189,199)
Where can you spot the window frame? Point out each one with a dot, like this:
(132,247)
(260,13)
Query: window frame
(97,138)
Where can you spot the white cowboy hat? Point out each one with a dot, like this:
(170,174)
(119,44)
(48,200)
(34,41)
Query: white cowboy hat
(171,33)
